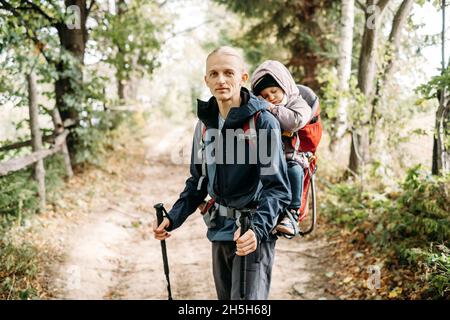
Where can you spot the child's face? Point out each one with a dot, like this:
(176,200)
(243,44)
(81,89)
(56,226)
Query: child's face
(273,94)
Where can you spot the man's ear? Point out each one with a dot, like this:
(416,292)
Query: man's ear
(204,78)
(245,77)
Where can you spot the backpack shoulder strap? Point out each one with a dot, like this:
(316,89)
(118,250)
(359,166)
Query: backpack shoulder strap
(203,130)
(202,155)
(251,123)
(249,128)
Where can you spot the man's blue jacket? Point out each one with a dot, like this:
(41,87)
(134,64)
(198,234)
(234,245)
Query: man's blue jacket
(259,184)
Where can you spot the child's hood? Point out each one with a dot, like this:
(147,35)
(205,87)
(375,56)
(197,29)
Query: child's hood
(280,73)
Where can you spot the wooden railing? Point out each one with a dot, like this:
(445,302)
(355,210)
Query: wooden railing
(57,140)
(38,152)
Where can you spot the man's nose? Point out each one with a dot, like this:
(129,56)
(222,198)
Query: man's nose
(221,78)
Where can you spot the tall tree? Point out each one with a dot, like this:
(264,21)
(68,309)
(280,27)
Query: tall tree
(373,10)
(441,144)
(301,28)
(68,18)
(392,49)
(130,40)
(73,38)
(344,66)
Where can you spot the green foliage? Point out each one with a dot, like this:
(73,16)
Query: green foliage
(434,262)
(431,89)
(96,136)
(422,213)
(18,191)
(331,96)
(130,39)
(17,196)
(298,33)
(414,222)
(18,271)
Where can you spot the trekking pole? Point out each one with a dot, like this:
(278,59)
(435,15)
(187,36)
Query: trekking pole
(244,221)
(160,214)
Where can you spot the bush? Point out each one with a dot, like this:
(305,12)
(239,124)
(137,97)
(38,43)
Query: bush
(18,191)
(423,210)
(96,137)
(414,223)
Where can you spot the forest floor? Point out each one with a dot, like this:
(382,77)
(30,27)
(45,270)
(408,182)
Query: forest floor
(101,243)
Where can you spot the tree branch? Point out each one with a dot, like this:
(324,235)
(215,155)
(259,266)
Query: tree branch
(393,45)
(360,5)
(392,48)
(30,33)
(39,10)
(88,10)
(162,4)
(382,4)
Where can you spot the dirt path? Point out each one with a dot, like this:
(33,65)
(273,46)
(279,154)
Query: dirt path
(105,239)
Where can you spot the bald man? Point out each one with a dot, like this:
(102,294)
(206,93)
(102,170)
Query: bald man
(252,178)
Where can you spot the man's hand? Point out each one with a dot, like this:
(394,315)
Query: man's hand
(160,232)
(245,244)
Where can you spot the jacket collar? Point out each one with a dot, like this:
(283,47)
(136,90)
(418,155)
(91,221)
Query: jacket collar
(208,111)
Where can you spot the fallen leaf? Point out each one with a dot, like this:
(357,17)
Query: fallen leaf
(348,279)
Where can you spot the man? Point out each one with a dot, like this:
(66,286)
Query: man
(262,186)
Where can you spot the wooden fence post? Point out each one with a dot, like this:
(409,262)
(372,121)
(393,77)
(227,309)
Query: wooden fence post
(36,138)
(59,128)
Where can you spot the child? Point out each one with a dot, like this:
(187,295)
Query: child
(273,82)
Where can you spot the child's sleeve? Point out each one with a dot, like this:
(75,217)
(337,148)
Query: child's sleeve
(294,116)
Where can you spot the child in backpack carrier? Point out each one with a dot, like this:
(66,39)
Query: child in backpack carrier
(273,82)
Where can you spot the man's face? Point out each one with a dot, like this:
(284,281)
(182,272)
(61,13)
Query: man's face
(225,76)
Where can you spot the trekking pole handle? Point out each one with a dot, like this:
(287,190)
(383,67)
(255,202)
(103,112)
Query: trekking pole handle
(159,212)
(160,217)
(244,221)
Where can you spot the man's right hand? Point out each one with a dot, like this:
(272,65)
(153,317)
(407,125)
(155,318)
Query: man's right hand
(160,232)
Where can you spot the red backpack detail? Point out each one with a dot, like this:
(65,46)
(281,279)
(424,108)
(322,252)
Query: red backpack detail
(310,135)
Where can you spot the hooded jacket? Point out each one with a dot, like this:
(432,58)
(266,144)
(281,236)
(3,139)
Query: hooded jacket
(236,185)
(296,113)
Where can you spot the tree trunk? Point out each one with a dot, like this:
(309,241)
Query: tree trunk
(59,129)
(392,50)
(366,75)
(441,150)
(377,136)
(310,72)
(120,89)
(73,40)
(344,65)
(121,8)
(36,139)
